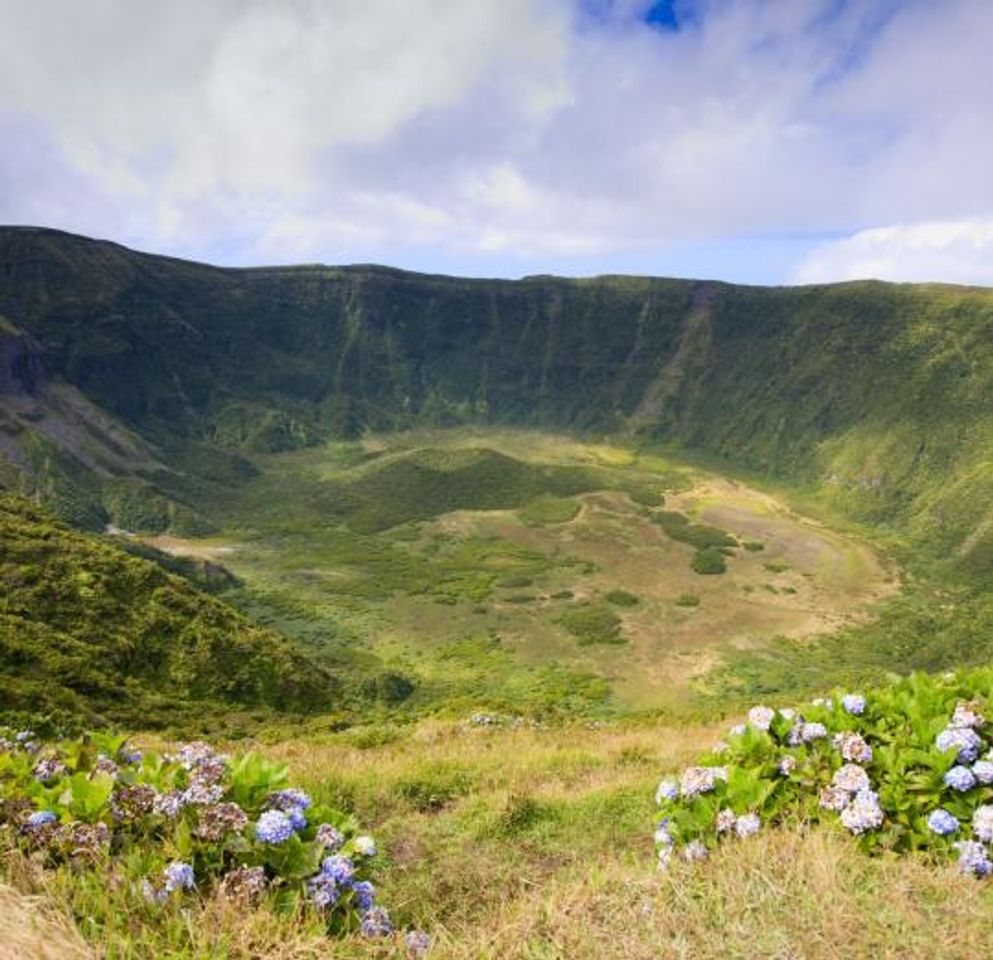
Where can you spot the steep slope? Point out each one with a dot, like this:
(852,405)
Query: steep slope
(881,396)
(88,629)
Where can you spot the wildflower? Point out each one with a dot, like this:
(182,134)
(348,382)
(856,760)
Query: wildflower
(287,800)
(323,890)
(726,820)
(274,827)
(761,717)
(966,715)
(297,818)
(201,793)
(40,818)
(973,858)
(853,703)
(982,770)
(130,803)
(418,943)
(329,837)
(851,777)
(697,780)
(834,798)
(695,850)
(853,747)
(217,821)
(748,825)
(365,846)
(178,876)
(48,769)
(982,823)
(365,895)
(668,790)
(339,868)
(787,765)
(376,923)
(960,778)
(863,813)
(941,822)
(964,740)
(244,883)
(169,804)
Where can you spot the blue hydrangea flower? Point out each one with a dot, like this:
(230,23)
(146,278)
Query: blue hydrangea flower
(853,703)
(297,818)
(376,923)
(340,868)
(668,790)
(973,858)
(418,943)
(662,835)
(982,770)
(964,740)
(178,876)
(761,717)
(365,895)
(942,822)
(960,778)
(274,827)
(863,813)
(41,817)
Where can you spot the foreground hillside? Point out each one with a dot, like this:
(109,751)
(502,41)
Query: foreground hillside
(848,389)
(509,842)
(86,630)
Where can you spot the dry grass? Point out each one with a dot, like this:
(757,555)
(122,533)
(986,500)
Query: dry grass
(31,928)
(544,851)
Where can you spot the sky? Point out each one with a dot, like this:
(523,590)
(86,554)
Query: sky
(757,141)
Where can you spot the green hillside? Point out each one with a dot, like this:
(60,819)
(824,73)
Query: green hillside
(88,630)
(877,396)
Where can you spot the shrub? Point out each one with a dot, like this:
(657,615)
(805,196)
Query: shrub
(593,623)
(190,820)
(904,768)
(621,598)
(754,546)
(709,561)
(687,600)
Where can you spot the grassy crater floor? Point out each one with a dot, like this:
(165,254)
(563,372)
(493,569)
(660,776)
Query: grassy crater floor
(517,842)
(463,558)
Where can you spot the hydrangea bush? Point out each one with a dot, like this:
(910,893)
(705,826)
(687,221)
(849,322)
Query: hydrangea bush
(199,822)
(905,767)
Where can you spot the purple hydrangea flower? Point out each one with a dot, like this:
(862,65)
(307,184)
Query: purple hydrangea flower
(747,825)
(340,868)
(323,890)
(863,813)
(853,703)
(668,790)
(942,822)
(982,823)
(695,850)
(376,923)
(329,837)
(41,817)
(297,818)
(418,943)
(761,717)
(290,799)
(982,770)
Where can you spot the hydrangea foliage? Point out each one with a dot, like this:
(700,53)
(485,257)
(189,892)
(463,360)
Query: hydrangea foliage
(204,824)
(905,767)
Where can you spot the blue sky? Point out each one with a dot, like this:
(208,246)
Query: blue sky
(763,141)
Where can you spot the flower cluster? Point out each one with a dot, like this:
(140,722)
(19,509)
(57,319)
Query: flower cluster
(901,768)
(239,830)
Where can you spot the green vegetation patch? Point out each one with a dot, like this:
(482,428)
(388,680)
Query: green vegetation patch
(593,623)
(710,560)
(621,598)
(548,509)
(699,535)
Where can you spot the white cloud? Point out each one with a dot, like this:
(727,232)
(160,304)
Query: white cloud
(954,251)
(498,131)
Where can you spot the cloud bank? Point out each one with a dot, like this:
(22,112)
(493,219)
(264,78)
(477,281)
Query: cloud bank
(505,136)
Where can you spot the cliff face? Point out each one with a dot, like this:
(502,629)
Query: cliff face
(882,395)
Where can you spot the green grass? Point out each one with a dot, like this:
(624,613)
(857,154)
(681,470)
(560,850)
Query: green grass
(593,623)
(547,509)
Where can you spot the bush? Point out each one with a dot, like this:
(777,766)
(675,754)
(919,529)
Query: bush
(593,623)
(905,768)
(621,598)
(709,561)
(687,600)
(187,823)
